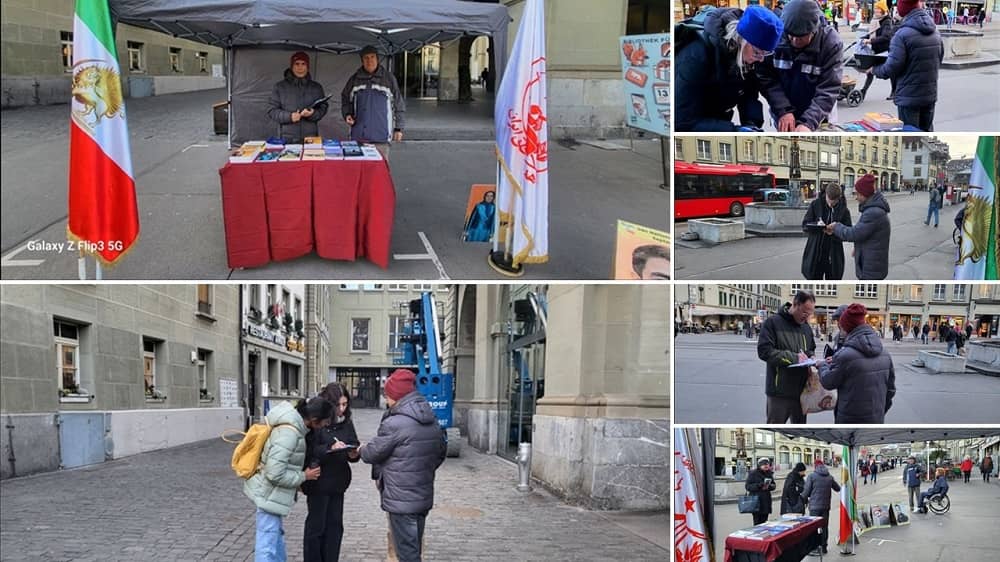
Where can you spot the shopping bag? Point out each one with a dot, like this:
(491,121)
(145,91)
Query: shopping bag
(749,504)
(814,397)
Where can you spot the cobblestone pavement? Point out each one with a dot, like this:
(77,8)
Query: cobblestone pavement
(186,504)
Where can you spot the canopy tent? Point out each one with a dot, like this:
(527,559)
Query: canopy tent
(257,36)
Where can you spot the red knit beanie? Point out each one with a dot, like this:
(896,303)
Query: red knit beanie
(401,382)
(906,6)
(299,55)
(865,185)
(853,317)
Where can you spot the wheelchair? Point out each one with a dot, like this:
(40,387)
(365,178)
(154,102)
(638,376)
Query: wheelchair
(938,504)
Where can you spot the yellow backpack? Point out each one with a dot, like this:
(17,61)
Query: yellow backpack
(246,457)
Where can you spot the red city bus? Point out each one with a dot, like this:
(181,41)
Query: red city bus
(705,190)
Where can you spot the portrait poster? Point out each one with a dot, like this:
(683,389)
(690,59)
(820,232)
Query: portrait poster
(359,334)
(645,61)
(641,253)
(480,213)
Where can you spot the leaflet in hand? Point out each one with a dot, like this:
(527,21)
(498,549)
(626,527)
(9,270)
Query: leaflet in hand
(807,363)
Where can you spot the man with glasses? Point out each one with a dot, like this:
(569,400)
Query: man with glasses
(801,81)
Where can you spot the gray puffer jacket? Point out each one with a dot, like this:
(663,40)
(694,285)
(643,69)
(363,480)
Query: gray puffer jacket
(871,238)
(915,55)
(293,94)
(406,452)
(818,488)
(862,374)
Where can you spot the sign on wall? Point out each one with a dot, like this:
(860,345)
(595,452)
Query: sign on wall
(646,74)
(229,394)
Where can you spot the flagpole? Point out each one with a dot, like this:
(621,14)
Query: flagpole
(81,267)
(497,218)
(98,270)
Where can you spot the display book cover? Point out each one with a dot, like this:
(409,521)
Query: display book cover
(351,149)
(332,149)
(247,152)
(290,153)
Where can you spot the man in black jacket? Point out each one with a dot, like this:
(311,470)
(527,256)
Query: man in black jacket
(760,483)
(817,493)
(405,454)
(785,340)
(292,102)
(872,232)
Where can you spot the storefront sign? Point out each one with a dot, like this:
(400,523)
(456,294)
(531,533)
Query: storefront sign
(262,333)
(646,74)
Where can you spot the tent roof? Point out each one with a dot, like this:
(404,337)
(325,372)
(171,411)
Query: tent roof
(858,436)
(333,25)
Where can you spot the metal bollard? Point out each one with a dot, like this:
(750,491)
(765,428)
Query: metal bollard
(524,467)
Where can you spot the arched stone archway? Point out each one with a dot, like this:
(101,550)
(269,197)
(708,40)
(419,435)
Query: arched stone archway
(465,356)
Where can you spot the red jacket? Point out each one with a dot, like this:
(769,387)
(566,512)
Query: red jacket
(967,465)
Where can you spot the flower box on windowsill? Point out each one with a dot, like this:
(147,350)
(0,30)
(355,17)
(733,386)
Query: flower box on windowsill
(76,399)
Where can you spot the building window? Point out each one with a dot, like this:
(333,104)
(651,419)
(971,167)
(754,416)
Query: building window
(205,299)
(396,287)
(782,154)
(767,153)
(866,291)
(748,149)
(289,379)
(204,369)
(895,158)
(885,157)
(297,313)
(725,152)
(175,59)
(917,293)
(959,293)
(396,324)
(783,458)
(897,293)
(704,150)
(826,290)
(66,40)
(67,339)
(850,150)
(863,152)
(359,335)
(678,149)
(149,365)
(918,173)
(254,298)
(918,159)
(371,287)
(134,56)
(202,58)
(939,292)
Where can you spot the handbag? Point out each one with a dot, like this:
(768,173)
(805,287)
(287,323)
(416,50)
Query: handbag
(749,504)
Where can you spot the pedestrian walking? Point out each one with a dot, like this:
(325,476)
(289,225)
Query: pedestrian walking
(791,494)
(951,338)
(823,257)
(274,486)
(874,470)
(865,470)
(986,468)
(861,372)
(801,81)
(817,493)
(915,55)
(760,483)
(934,201)
(786,340)
(715,68)
(966,468)
(404,456)
(924,332)
(912,473)
(982,17)
(916,332)
(330,449)
(968,331)
(871,233)
(841,335)
(879,37)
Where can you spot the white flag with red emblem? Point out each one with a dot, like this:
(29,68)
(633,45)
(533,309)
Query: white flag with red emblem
(690,539)
(522,143)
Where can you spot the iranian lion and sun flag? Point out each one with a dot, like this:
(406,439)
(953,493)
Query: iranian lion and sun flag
(103,214)
(977,255)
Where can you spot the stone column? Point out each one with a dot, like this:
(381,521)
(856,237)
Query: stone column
(448,73)
(478,402)
(601,430)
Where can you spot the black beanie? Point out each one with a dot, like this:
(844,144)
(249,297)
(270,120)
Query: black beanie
(801,17)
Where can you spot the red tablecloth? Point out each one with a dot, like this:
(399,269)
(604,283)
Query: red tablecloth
(772,548)
(279,211)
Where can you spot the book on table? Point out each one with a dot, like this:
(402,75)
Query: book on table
(313,142)
(369,152)
(291,152)
(351,149)
(882,121)
(247,152)
(313,154)
(269,155)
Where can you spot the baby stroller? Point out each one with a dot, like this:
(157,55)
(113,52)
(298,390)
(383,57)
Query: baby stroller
(861,58)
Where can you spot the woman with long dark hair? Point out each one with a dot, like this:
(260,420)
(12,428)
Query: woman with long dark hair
(330,448)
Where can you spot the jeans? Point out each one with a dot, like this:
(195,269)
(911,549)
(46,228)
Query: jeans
(912,492)
(919,117)
(269,545)
(874,477)
(932,210)
(952,348)
(408,535)
(923,338)
(324,528)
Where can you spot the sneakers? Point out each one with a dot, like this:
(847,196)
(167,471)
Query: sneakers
(913,510)
(935,226)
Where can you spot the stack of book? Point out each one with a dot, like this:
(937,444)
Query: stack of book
(369,152)
(313,153)
(313,142)
(882,122)
(351,149)
(269,154)
(332,149)
(247,152)
(291,152)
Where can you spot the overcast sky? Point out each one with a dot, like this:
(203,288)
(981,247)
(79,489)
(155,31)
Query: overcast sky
(960,146)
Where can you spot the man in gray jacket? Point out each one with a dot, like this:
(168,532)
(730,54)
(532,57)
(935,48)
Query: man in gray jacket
(372,104)
(871,233)
(405,454)
(817,494)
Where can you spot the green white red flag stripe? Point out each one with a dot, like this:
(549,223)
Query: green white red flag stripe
(977,257)
(103,214)
(848,508)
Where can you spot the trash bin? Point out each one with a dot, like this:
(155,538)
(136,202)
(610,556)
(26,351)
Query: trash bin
(220,117)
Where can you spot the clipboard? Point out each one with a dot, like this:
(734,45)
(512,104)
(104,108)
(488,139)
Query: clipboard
(319,101)
(807,363)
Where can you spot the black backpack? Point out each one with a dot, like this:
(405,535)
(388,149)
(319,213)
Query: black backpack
(691,29)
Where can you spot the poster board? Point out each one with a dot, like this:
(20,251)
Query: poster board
(641,253)
(480,213)
(646,76)
(229,393)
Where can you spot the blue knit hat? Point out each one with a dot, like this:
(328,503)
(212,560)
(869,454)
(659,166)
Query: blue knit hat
(760,27)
